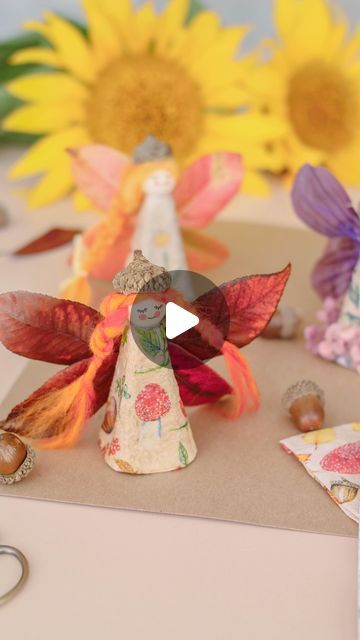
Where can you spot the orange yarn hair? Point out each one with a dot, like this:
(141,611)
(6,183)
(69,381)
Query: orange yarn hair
(65,412)
(126,203)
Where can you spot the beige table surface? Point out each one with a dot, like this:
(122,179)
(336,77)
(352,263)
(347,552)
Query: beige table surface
(97,572)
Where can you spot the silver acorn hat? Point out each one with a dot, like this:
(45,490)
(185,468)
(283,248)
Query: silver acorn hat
(141,276)
(151,149)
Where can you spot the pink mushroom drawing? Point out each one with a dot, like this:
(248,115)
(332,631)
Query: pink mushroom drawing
(344,459)
(152,404)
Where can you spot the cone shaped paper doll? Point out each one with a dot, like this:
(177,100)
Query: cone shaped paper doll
(148,205)
(146,429)
(120,357)
(322,203)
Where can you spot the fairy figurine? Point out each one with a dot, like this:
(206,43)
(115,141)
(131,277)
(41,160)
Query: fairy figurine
(120,356)
(323,204)
(146,429)
(148,204)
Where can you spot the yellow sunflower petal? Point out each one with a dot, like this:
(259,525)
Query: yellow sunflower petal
(82,204)
(47,87)
(306,24)
(227,97)
(72,47)
(47,151)
(104,33)
(38,26)
(254,184)
(246,126)
(170,23)
(36,55)
(56,184)
(43,118)
(145,21)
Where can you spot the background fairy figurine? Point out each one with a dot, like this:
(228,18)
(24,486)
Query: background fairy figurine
(149,204)
(323,204)
(107,353)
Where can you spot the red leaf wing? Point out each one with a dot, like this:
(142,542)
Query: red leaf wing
(52,239)
(198,383)
(60,380)
(241,308)
(44,328)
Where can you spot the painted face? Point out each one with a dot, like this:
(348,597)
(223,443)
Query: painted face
(147,313)
(159,183)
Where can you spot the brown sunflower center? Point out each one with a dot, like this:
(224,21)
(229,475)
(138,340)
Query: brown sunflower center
(138,95)
(322,106)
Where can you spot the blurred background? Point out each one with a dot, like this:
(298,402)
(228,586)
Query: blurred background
(256,12)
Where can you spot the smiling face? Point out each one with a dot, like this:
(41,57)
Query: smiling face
(159,183)
(148,313)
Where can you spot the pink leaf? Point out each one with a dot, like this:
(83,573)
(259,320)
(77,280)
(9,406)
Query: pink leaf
(344,459)
(97,170)
(206,187)
(45,328)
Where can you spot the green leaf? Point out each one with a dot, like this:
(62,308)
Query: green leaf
(183,454)
(149,342)
(194,8)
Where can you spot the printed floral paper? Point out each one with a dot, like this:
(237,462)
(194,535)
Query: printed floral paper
(332,457)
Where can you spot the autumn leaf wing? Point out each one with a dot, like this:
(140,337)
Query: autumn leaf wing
(240,309)
(17,420)
(43,328)
(202,251)
(98,171)
(198,384)
(206,186)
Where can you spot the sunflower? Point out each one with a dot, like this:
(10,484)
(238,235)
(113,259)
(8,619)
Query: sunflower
(312,82)
(136,72)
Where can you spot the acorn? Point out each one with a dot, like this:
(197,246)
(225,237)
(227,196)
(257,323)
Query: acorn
(305,401)
(16,458)
(284,324)
(344,491)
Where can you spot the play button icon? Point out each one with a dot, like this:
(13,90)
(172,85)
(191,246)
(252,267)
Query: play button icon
(180,327)
(178,320)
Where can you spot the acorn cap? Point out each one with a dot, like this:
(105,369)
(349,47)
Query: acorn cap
(141,276)
(151,149)
(343,482)
(301,389)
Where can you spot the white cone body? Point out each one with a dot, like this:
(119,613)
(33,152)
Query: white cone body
(158,235)
(150,430)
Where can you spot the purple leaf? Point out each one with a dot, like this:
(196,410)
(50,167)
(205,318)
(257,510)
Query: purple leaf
(323,204)
(332,274)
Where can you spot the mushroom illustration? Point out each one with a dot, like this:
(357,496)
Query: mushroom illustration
(344,459)
(152,404)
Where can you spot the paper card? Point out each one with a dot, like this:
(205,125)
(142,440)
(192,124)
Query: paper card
(332,457)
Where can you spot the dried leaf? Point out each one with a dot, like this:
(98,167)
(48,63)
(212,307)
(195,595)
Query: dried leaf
(206,187)
(45,328)
(97,170)
(52,239)
(202,251)
(60,380)
(198,384)
(243,307)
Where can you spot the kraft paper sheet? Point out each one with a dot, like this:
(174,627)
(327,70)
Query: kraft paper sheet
(241,472)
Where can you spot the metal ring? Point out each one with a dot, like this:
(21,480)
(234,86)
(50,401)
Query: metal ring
(11,551)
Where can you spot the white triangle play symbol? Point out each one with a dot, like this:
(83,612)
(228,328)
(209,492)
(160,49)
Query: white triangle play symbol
(178,320)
